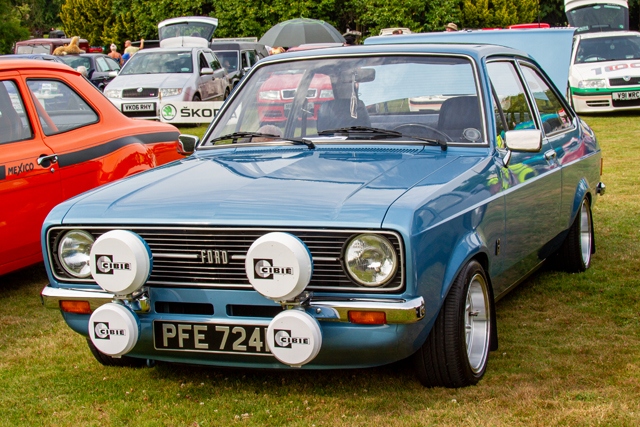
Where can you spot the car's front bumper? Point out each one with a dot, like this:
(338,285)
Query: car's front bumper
(397,310)
(344,344)
(601,100)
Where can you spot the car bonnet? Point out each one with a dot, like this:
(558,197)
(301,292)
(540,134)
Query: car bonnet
(284,186)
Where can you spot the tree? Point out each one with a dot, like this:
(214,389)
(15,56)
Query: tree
(86,19)
(498,13)
(11,29)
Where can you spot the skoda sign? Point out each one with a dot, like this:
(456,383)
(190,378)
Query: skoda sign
(189,112)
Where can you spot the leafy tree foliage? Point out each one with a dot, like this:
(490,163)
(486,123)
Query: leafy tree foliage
(113,21)
(498,13)
(11,29)
(87,19)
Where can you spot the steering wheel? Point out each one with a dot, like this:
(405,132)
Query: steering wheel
(409,127)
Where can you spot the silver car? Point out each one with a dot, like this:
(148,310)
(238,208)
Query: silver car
(167,74)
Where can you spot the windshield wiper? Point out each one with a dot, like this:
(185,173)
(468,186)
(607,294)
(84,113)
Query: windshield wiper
(234,137)
(363,132)
(430,141)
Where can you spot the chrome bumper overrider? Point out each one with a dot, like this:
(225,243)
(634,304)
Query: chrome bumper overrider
(397,311)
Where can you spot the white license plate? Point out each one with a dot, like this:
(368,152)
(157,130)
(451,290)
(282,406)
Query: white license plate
(626,96)
(138,107)
(210,337)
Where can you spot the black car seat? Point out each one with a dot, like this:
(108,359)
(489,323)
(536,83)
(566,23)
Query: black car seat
(458,114)
(336,114)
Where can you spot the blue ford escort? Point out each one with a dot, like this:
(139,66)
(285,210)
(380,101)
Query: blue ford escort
(409,186)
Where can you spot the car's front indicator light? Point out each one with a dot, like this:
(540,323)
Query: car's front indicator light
(75,307)
(170,91)
(370,260)
(270,95)
(367,317)
(73,253)
(592,84)
(113,93)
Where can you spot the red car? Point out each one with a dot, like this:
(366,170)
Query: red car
(277,92)
(59,136)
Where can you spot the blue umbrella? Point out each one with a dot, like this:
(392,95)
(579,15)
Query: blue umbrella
(295,32)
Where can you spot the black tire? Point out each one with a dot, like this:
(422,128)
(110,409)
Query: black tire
(106,360)
(196,98)
(226,94)
(456,351)
(575,253)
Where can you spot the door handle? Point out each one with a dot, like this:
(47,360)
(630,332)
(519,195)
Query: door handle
(46,161)
(550,155)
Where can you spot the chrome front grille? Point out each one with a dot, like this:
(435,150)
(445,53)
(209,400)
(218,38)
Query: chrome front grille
(205,257)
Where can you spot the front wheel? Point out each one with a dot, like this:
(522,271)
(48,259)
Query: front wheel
(456,351)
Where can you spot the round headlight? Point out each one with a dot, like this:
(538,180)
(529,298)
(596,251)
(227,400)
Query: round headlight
(73,252)
(371,260)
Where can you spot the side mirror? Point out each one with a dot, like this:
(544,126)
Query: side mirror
(113,74)
(528,140)
(187,144)
(206,70)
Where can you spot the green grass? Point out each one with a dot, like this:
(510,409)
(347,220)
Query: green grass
(569,352)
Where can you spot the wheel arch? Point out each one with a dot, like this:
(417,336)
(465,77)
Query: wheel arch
(583,191)
(464,254)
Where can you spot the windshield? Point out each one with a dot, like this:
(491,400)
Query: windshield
(608,49)
(422,96)
(159,63)
(187,28)
(34,48)
(599,17)
(76,61)
(228,59)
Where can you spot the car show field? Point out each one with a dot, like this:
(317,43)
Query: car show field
(569,352)
(414,231)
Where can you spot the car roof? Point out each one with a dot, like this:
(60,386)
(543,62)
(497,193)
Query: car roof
(234,45)
(172,49)
(22,64)
(474,50)
(604,34)
(42,56)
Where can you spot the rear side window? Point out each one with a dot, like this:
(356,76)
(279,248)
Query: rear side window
(13,118)
(60,108)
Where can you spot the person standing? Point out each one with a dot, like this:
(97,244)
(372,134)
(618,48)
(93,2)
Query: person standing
(115,55)
(131,50)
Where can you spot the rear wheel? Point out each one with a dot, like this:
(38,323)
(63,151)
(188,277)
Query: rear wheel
(456,351)
(107,360)
(196,98)
(575,254)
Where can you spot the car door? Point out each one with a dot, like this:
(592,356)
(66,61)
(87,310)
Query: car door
(220,80)
(531,181)
(29,183)
(206,85)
